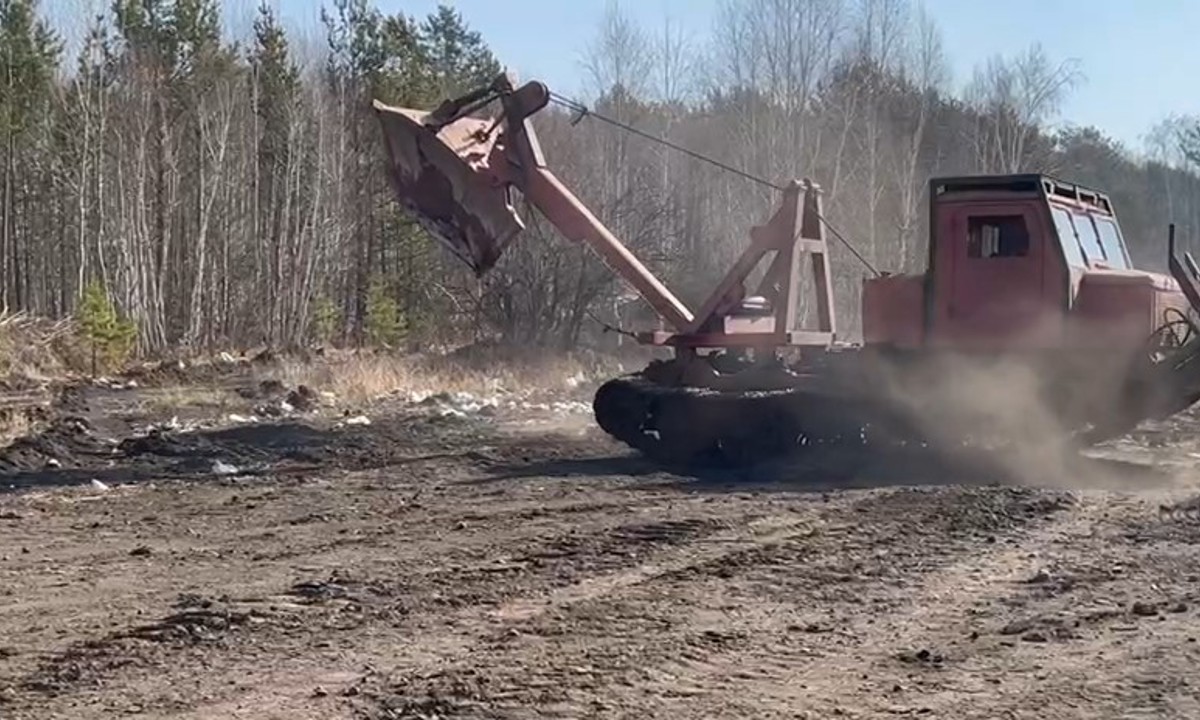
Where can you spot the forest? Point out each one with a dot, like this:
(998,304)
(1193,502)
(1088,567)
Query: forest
(227,189)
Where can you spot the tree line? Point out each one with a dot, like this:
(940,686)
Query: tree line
(227,192)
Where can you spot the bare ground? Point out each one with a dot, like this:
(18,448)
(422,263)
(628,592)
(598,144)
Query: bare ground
(516,564)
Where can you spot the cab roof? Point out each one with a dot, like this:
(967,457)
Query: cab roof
(1046,185)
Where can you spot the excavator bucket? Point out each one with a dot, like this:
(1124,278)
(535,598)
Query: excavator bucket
(440,174)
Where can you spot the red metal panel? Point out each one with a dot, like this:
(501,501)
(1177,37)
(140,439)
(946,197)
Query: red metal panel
(1122,308)
(996,302)
(892,308)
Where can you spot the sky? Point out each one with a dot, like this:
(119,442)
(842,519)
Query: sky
(1139,60)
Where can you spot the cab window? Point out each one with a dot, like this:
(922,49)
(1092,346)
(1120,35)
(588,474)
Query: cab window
(997,236)
(1067,238)
(1110,241)
(1088,238)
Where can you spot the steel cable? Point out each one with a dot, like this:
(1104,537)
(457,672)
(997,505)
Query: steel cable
(583,111)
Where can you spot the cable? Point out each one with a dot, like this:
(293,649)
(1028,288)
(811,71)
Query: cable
(611,328)
(583,111)
(850,247)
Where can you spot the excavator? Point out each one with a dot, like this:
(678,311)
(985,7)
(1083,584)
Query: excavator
(1029,320)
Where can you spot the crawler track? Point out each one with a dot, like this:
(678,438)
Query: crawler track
(684,425)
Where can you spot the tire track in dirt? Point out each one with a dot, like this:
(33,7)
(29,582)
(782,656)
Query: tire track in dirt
(981,626)
(1101,623)
(860,662)
(645,601)
(593,536)
(753,534)
(789,660)
(473,681)
(691,635)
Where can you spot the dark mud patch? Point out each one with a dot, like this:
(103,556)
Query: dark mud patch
(262,445)
(69,441)
(71,450)
(91,663)
(245,447)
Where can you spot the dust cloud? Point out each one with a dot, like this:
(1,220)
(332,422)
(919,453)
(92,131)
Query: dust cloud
(1012,416)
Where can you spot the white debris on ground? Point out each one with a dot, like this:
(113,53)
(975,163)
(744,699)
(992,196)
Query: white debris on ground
(561,406)
(460,404)
(173,425)
(223,468)
(465,404)
(115,384)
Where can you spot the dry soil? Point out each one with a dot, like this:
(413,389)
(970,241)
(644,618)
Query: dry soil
(511,562)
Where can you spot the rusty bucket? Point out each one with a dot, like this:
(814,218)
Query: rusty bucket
(441,175)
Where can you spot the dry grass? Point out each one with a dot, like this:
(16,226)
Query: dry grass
(35,350)
(14,425)
(172,398)
(358,378)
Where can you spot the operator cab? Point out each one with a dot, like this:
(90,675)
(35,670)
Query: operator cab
(1019,262)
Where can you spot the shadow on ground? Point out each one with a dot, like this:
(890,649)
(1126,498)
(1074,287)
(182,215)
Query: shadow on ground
(859,468)
(71,451)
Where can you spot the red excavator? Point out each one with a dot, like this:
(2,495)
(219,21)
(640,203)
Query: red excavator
(1029,322)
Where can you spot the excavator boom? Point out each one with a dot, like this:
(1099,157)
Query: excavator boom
(457,174)
(727,395)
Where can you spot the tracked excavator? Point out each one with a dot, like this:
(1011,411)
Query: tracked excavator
(1029,320)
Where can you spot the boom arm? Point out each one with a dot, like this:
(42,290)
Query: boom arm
(454,173)
(525,167)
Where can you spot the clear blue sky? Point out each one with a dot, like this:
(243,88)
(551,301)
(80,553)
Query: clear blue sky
(1141,58)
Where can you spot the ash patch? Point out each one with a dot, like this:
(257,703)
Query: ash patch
(73,451)
(259,447)
(246,446)
(69,442)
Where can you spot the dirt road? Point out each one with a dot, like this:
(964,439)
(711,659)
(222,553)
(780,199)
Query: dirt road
(512,563)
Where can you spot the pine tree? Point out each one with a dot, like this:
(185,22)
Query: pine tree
(109,336)
(385,324)
(459,58)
